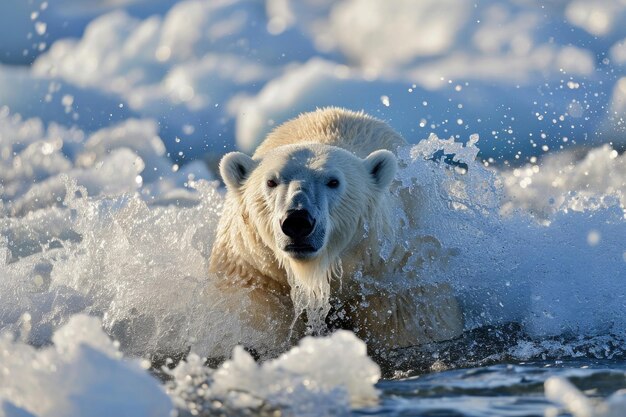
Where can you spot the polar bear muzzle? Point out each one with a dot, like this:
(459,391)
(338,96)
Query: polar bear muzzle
(303,238)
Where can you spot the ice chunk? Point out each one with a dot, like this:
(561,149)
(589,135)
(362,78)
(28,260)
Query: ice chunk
(81,374)
(321,376)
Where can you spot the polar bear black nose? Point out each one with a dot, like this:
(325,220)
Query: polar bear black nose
(298,224)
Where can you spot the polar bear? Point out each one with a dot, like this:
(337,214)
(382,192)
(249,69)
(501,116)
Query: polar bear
(308,220)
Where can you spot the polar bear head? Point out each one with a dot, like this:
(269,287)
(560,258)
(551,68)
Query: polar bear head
(308,202)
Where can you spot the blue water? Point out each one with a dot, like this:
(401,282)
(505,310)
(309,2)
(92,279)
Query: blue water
(501,390)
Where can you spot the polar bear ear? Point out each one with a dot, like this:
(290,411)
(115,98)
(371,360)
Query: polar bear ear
(382,166)
(235,168)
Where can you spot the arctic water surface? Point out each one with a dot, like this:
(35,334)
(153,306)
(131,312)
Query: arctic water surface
(109,202)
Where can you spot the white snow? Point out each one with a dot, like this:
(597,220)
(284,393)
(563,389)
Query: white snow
(37,163)
(28,28)
(381,36)
(319,83)
(618,52)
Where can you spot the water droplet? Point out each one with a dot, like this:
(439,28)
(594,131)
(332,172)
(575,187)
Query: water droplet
(40,28)
(593,238)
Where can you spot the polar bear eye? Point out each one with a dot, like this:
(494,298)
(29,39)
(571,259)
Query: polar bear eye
(334,183)
(271,183)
